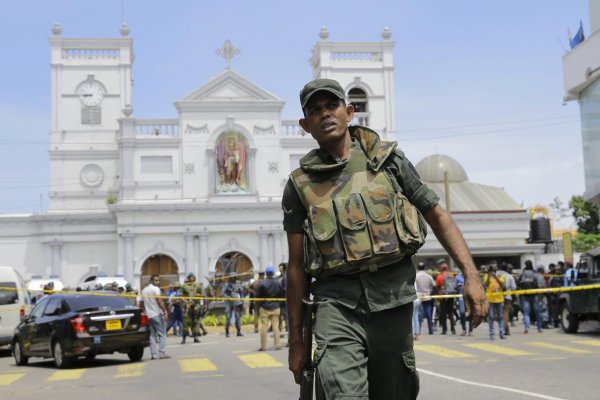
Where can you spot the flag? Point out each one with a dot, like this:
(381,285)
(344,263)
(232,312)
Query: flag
(578,38)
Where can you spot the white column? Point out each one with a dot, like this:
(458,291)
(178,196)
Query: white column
(189,252)
(127,269)
(203,258)
(56,257)
(271,244)
(278,249)
(264,252)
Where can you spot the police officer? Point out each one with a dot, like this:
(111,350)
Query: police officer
(359,248)
(192,308)
(233,292)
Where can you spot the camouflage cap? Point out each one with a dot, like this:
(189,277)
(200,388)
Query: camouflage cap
(317,85)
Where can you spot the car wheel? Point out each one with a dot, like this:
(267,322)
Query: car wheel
(569,322)
(136,353)
(20,358)
(60,359)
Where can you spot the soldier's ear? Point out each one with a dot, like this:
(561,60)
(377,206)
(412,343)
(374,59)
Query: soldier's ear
(302,122)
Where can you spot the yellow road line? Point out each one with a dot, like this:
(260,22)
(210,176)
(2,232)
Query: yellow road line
(197,365)
(589,342)
(130,370)
(441,351)
(494,348)
(558,347)
(7,379)
(66,375)
(260,361)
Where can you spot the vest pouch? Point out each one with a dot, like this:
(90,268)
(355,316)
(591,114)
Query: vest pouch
(323,229)
(382,228)
(352,219)
(313,262)
(411,228)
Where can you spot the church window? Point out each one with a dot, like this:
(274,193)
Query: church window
(91,115)
(358,98)
(232,163)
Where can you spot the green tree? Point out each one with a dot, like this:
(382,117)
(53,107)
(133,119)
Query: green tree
(585,241)
(585,214)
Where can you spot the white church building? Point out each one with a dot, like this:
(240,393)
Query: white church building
(201,192)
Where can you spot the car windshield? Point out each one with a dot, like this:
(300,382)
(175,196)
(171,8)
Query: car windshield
(90,303)
(8,293)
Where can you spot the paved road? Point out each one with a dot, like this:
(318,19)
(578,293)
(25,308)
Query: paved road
(549,366)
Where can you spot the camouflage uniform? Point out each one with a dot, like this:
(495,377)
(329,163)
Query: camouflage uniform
(363,324)
(193,309)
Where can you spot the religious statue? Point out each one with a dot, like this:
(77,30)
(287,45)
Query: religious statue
(231,160)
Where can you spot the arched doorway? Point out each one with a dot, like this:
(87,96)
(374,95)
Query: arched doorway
(232,262)
(162,265)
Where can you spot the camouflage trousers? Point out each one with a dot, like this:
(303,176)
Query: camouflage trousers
(192,320)
(365,355)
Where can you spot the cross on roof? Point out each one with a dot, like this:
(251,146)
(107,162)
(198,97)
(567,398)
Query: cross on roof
(228,52)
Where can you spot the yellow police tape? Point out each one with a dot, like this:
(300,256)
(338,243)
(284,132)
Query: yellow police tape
(135,295)
(431,297)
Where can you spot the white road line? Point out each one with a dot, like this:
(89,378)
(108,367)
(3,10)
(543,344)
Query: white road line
(506,389)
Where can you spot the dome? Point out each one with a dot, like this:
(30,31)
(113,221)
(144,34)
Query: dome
(432,168)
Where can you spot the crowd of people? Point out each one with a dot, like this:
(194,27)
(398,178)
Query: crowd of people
(187,304)
(542,310)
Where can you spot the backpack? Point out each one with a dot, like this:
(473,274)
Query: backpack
(448,285)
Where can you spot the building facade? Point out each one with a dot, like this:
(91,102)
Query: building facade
(201,192)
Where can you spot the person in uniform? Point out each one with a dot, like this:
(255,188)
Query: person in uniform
(192,308)
(355,207)
(233,292)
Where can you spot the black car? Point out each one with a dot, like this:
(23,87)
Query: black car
(66,326)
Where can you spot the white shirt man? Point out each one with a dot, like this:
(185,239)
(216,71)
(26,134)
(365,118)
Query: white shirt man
(157,314)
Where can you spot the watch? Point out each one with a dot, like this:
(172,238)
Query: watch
(91,93)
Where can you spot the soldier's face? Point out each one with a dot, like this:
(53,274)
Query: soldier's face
(326,118)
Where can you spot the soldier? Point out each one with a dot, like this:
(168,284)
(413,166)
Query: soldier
(192,308)
(355,203)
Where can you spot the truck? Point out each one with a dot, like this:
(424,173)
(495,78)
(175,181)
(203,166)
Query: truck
(582,305)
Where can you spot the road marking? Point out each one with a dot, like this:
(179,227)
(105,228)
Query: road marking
(558,347)
(197,365)
(131,370)
(441,351)
(7,379)
(494,348)
(66,375)
(260,361)
(503,388)
(590,342)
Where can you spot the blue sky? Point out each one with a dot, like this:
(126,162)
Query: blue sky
(480,81)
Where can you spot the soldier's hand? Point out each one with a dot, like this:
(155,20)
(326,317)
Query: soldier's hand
(297,360)
(475,301)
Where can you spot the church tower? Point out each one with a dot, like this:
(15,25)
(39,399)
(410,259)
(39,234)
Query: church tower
(91,90)
(366,72)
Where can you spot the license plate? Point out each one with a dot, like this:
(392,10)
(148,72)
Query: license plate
(113,325)
(97,339)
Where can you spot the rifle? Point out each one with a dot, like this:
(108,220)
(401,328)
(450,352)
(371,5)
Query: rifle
(308,371)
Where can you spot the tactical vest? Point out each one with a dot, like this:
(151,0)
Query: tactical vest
(356,221)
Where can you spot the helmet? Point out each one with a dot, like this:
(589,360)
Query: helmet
(270,270)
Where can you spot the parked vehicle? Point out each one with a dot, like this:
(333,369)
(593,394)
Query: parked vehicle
(582,305)
(14,303)
(66,326)
(102,281)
